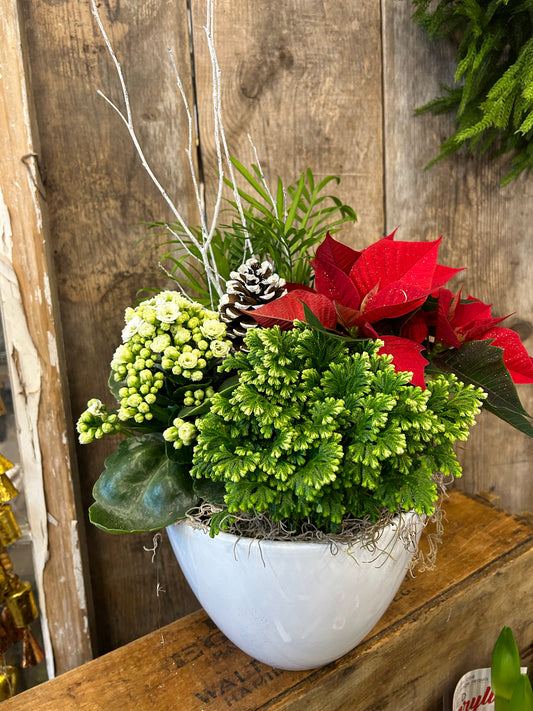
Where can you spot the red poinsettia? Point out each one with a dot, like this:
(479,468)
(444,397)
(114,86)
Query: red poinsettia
(394,291)
(459,322)
(384,281)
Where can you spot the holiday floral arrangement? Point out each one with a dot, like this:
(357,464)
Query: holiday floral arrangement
(288,378)
(343,399)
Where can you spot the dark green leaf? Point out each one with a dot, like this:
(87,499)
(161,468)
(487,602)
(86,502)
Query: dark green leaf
(314,322)
(481,364)
(141,488)
(209,490)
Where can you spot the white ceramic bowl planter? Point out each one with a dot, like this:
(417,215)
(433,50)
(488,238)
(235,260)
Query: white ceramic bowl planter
(294,605)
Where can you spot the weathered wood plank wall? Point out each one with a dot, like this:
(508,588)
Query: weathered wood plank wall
(34,349)
(98,195)
(487,229)
(331,86)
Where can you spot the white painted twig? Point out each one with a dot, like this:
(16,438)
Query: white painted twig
(214,61)
(128,121)
(204,246)
(262,175)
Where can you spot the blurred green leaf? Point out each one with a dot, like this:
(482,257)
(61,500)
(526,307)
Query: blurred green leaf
(522,698)
(505,668)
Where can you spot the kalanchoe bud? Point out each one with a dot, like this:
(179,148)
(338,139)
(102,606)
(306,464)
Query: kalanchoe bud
(95,422)
(180,433)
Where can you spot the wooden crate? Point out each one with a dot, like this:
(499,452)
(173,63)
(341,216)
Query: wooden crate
(441,624)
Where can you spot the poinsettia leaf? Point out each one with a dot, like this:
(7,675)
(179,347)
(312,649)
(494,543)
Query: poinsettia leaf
(333,252)
(335,284)
(141,488)
(386,262)
(481,364)
(446,308)
(285,310)
(516,358)
(332,263)
(395,278)
(442,275)
(293,286)
(406,355)
(460,320)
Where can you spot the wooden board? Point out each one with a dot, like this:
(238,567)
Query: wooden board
(36,361)
(100,200)
(303,79)
(485,228)
(441,624)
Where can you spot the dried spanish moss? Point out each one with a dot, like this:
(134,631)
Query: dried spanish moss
(360,531)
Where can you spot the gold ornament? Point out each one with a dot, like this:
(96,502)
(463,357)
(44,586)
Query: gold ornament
(21,604)
(32,654)
(7,490)
(8,682)
(6,582)
(19,608)
(5,464)
(5,562)
(9,528)
(9,634)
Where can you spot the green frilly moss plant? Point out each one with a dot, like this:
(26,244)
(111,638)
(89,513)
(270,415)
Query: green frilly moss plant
(318,429)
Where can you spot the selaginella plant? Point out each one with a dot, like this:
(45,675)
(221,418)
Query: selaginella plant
(317,431)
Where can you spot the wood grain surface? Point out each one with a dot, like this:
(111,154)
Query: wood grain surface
(100,201)
(441,624)
(34,346)
(303,79)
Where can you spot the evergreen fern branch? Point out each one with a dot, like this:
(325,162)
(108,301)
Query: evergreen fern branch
(492,97)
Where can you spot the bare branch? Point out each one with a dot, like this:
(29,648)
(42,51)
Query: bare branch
(203,245)
(128,120)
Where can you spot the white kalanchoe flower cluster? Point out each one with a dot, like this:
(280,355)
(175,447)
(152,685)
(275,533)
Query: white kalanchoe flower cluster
(181,433)
(167,333)
(96,421)
(167,341)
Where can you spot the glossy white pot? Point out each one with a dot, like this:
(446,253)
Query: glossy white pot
(294,605)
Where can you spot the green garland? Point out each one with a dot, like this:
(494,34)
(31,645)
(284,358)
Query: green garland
(493,92)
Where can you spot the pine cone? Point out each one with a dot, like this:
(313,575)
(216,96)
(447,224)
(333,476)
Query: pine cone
(251,286)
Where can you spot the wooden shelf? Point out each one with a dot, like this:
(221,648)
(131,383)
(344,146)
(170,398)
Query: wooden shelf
(441,624)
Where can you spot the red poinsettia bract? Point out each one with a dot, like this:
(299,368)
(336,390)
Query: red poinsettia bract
(386,280)
(379,292)
(462,322)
